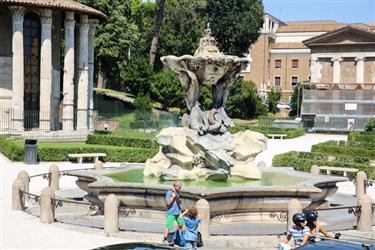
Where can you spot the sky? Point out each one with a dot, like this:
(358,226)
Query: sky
(346,11)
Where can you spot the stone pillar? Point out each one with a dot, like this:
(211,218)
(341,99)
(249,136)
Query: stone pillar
(92,27)
(98,165)
(111,216)
(360,69)
(47,214)
(315,70)
(17,202)
(364,222)
(83,80)
(203,208)
(24,177)
(18,66)
(336,69)
(360,184)
(54,175)
(261,164)
(68,88)
(315,170)
(45,70)
(294,206)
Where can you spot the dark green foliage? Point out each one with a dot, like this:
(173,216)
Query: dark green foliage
(303,162)
(296,101)
(182,27)
(290,132)
(370,125)
(166,89)
(137,76)
(362,136)
(347,150)
(235,23)
(121,141)
(244,101)
(14,152)
(205,97)
(273,98)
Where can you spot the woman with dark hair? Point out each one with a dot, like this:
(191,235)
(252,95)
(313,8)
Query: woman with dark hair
(315,227)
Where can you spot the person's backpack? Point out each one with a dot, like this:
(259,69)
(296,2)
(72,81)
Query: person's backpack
(200,241)
(180,238)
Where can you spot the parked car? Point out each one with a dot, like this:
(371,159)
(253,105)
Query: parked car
(340,245)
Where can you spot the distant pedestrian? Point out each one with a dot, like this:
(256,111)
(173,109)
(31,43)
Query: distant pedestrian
(191,219)
(298,231)
(173,202)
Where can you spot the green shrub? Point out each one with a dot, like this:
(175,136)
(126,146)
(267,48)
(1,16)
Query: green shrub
(345,150)
(298,162)
(370,125)
(362,136)
(290,132)
(121,141)
(13,151)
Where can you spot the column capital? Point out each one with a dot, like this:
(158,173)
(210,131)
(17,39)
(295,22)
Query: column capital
(17,13)
(360,58)
(84,23)
(46,16)
(92,26)
(314,59)
(336,59)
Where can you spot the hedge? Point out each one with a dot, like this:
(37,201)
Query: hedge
(59,151)
(290,132)
(362,136)
(121,141)
(357,144)
(294,159)
(344,150)
(13,151)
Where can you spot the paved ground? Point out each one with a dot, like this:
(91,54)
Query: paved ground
(22,231)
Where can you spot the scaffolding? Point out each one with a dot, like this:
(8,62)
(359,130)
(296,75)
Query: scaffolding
(338,107)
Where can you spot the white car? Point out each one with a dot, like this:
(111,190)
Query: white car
(282,105)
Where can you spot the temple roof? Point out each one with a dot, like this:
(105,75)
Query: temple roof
(57,4)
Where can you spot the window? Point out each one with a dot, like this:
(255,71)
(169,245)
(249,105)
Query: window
(277,63)
(294,81)
(295,63)
(277,81)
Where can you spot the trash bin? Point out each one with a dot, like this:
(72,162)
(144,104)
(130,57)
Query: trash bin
(31,152)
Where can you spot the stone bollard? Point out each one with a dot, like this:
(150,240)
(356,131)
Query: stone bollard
(47,213)
(294,206)
(98,165)
(364,221)
(360,184)
(203,208)
(54,177)
(315,170)
(24,177)
(261,164)
(111,216)
(18,202)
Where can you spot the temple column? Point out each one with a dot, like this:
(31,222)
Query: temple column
(336,69)
(18,66)
(92,27)
(360,69)
(68,88)
(315,70)
(45,70)
(83,80)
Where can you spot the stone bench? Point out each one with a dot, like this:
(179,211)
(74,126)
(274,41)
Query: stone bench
(281,136)
(345,171)
(80,157)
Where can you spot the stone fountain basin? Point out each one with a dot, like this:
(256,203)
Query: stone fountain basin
(311,191)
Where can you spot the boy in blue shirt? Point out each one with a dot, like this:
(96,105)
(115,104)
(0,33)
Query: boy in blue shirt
(191,227)
(173,201)
(299,231)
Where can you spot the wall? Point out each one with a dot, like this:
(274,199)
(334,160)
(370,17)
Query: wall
(370,70)
(348,70)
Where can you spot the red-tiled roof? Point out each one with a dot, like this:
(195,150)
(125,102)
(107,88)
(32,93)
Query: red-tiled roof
(57,4)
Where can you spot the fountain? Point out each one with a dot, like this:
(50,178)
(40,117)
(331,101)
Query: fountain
(212,163)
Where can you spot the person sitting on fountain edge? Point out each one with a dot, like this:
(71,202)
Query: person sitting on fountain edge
(299,231)
(173,201)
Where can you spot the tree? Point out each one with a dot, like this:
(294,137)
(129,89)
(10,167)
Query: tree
(296,101)
(244,101)
(235,23)
(155,37)
(166,89)
(182,27)
(137,76)
(273,98)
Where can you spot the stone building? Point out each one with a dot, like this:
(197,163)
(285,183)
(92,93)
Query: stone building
(281,59)
(46,65)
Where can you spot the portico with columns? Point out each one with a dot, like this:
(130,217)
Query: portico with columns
(40,88)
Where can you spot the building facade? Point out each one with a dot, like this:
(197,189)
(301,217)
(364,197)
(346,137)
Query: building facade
(46,65)
(281,59)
